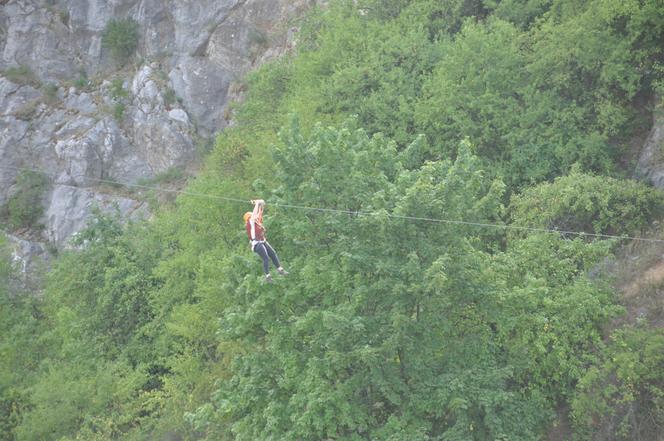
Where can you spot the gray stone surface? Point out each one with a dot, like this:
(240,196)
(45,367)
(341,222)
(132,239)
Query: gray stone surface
(98,150)
(651,160)
(203,87)
(179,115)
(35,37)
(12,131)
(82,103)
(28,257)
(207,43)
(162,141)
(14,97)
(70,210)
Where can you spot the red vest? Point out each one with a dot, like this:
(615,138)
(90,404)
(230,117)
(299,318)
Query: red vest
(259,231)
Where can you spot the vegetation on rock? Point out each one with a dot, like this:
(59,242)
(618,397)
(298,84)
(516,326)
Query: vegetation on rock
(24,208)
(121,38)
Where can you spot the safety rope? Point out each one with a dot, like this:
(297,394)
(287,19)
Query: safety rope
(351,212)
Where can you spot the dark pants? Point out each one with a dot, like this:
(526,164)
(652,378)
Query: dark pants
(264,250)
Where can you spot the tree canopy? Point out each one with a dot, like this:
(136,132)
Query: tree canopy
(388,327)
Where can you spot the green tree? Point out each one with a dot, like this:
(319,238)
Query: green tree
(21,348)
(393,328)
(100,357)
(590,203)
(622,396)
(520,12)
(120,36)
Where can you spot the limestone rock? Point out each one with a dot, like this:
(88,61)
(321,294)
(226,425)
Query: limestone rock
(28,258)
(97,151)
(12,131)
(34,38)
(179,115)
(70,209)
(82,103)
(203,87)
(651,160)
(14,98)
(163,141)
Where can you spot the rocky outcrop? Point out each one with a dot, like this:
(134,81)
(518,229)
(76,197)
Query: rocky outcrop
(162,134)
(70,111)
(70,209)
(205,45)
(75,142)
(651,160)
(28,258)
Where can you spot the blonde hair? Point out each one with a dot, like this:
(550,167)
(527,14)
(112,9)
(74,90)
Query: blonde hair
(247,216)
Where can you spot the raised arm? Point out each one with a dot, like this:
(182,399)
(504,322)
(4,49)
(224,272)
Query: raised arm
(257,214)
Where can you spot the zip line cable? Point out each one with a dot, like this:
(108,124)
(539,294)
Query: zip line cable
(351,212)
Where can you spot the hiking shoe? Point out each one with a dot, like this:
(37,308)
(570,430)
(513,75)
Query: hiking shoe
(268,278)
(282,271)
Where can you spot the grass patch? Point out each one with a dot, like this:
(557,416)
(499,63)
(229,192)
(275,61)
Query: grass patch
(22,75)
(118,92)
(27,111)
(118,111)
(169,97)
(203,145)
(82,82)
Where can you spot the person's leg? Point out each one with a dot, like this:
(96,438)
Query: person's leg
(272,254)
(261,251)
(275,259)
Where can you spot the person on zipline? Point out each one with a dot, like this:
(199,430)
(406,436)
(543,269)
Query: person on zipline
(256,232)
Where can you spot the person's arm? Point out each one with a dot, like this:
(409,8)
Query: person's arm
(257,214)
(253,228)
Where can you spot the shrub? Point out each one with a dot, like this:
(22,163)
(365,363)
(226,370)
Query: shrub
(50,92)
(27,110)
(258,37)
(21,351)
(24,208)
(118,111)
(64,17)
(171,174)
(118,92)
(82,81)
(585,202)
(169,97)
(121,38)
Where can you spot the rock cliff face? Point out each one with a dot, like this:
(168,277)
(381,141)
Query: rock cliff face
(67,107)
(651,160)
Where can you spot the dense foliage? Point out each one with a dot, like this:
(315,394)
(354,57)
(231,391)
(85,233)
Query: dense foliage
(583,202)
(623,396)
(388,327)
